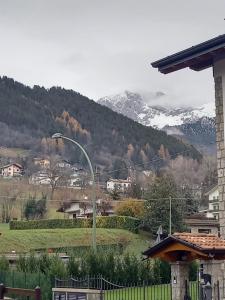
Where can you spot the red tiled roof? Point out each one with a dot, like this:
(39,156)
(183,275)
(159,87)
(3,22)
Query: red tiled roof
(204,241)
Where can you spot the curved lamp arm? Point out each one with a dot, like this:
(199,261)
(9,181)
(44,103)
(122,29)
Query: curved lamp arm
(60,136)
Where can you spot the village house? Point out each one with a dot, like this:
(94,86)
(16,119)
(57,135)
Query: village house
(200,223)
(40,177)
(207,220)
(213,196)
(42,162)
(84,208)
(11,170)
(121,185)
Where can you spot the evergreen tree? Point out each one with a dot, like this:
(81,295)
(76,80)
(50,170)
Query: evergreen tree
(157,206)
(119,169)
(115,195)
(190,203)
(35,209)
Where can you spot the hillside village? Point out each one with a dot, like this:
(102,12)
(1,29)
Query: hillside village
(56,173)
(112,176)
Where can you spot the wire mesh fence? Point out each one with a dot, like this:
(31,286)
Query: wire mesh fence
(28,281)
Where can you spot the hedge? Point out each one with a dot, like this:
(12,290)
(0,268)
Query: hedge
(120,222)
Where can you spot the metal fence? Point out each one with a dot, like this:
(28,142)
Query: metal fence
(135,291)
(109,290)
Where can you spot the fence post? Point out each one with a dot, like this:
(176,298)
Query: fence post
(37,293)
(2,291)
(218,289)
(101,294)
(88,281)
(144,290)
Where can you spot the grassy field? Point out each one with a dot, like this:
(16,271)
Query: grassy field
(13,152)
(154,292)
(27,240)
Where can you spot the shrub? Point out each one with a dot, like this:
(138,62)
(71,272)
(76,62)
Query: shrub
(130,207)
(120,222)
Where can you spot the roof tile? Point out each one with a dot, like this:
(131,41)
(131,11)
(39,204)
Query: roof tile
(204,241)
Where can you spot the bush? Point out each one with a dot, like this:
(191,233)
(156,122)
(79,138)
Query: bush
(123,269)
(130,207)
(120,222)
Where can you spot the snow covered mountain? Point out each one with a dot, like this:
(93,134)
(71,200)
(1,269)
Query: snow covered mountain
(193,125)
(134,106)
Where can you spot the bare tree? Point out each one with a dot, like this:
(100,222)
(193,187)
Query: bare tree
(104,206)
(57,175)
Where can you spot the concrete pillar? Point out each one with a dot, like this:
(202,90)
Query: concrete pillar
(219,78)
(179,274)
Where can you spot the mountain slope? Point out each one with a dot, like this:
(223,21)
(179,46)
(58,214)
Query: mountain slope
(201,134)
(29,114)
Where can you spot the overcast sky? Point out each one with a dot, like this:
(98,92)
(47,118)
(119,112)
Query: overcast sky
(103,47)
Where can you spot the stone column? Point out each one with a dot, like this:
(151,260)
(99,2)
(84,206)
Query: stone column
(179,274)
(219,78)
(215,268)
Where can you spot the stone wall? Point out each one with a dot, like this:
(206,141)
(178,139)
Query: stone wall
(220,150)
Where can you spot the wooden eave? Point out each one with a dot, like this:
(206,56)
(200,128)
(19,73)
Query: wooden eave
(171,249)
(173,252)
(196,58)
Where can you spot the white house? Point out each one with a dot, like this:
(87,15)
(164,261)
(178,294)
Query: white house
(213,196)
(120,184)
(11,170)
(84,209)
(39,178)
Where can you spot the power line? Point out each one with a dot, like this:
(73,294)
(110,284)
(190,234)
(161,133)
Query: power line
(116,201)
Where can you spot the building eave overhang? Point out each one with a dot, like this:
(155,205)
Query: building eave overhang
(152,252)
(197,58)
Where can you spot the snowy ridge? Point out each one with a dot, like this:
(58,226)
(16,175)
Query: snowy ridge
(134,106)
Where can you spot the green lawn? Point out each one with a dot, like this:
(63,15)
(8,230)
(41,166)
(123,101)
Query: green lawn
(159,292)
(154,292)
(27,240)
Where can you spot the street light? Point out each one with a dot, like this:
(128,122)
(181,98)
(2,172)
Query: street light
(61,136)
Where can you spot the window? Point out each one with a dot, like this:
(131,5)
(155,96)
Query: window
(204,230)
(215,207)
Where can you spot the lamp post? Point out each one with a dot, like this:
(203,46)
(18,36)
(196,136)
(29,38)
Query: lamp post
(61,136)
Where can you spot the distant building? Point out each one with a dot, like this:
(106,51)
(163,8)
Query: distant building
(12,170)
(200,223)
(42,162)
(64,164)
(213,196)
(120,184)
(84,209)
(39,178)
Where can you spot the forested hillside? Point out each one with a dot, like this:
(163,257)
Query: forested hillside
(201,134)
(28,116)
